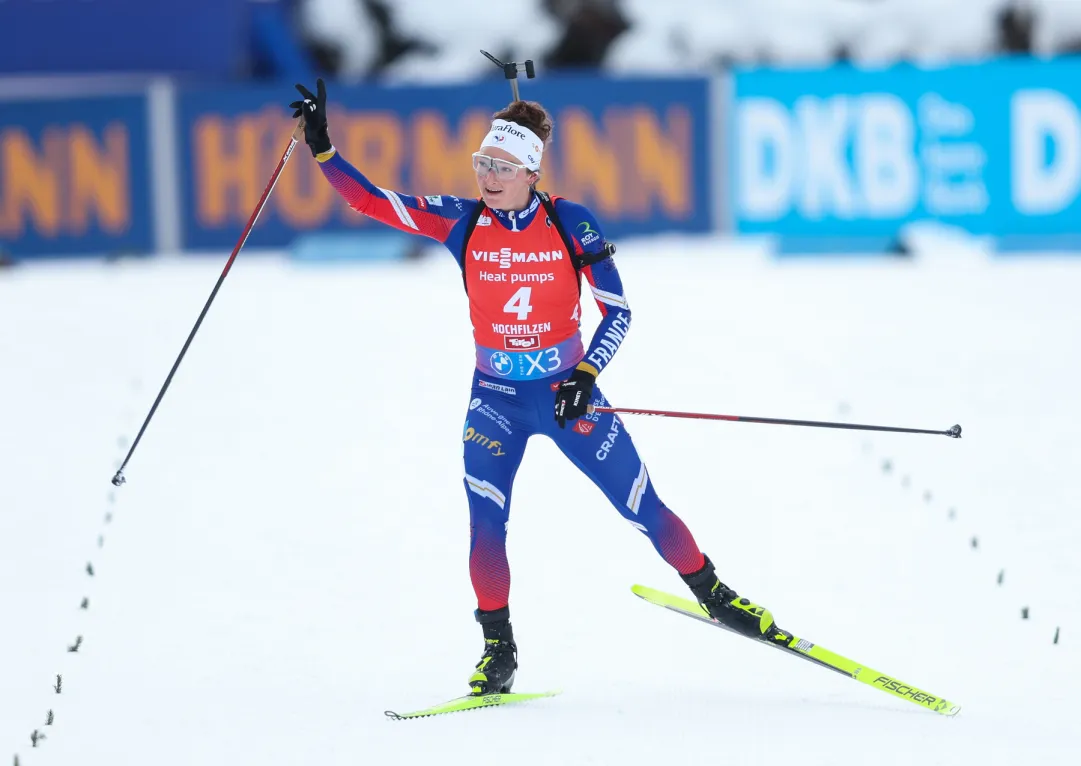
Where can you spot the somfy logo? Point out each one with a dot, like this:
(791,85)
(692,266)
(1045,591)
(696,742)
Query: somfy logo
(472,435)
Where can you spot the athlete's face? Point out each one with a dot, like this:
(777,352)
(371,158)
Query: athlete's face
(503,187)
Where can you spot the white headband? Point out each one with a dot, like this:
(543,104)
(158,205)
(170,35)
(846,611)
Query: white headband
(522,143)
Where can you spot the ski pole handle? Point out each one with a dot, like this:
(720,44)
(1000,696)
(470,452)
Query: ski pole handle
(953,432)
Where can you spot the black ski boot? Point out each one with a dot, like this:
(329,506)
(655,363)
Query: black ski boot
(726,607)
(495,671)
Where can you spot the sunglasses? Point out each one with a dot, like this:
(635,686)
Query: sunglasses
(504,170)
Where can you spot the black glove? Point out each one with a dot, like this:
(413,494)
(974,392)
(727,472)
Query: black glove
(573,395)
(314,111)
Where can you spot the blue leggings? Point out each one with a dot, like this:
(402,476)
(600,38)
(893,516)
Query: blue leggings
(502,416)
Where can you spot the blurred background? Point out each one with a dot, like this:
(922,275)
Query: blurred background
(130,128)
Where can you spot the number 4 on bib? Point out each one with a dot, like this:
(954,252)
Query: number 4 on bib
(519,304)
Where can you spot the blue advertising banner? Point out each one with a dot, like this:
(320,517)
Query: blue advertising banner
(844,158)
(635,151)
(74,177)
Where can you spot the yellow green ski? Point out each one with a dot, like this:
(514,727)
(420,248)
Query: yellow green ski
(471,702)
(812,652)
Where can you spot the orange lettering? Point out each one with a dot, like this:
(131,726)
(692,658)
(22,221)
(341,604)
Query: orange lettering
(441,159)
(227,167)
(99,179)
(662,159)
(373,142)
(302,198)
(30,183)
(590,166)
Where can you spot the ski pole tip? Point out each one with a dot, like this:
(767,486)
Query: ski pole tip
(954,432)
(119,479)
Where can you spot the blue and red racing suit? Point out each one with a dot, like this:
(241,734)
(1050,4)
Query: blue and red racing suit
(524,304)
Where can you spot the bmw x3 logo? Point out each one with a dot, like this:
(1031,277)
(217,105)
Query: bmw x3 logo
(501,363)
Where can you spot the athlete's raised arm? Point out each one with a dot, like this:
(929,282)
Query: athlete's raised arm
(432,216)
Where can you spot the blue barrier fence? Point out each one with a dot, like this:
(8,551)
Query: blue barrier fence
(199,37)
(828,160)
(78,175)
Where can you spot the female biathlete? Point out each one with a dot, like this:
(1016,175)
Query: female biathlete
(522,254)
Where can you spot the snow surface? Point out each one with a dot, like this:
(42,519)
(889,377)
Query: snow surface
(288,559)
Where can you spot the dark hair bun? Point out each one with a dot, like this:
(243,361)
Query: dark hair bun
(528,114)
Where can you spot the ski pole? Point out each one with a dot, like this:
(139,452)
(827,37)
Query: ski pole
(953,432)
(298,135)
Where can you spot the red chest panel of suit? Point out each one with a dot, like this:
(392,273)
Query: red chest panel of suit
(523,288)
